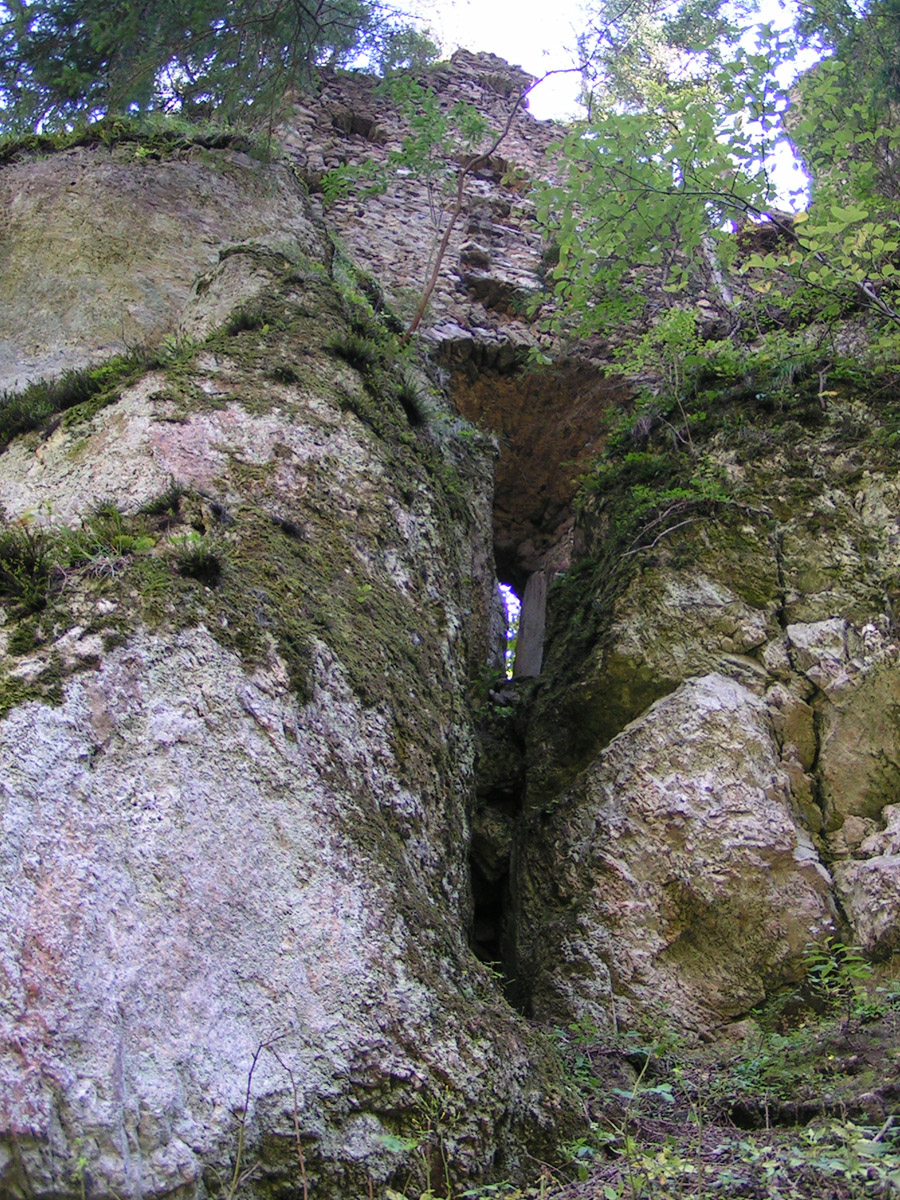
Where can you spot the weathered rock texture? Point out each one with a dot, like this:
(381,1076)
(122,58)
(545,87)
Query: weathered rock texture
(237,756)
(547,421)
(245,847)
(682,884)
(494,255)
(711,774)
(101,249)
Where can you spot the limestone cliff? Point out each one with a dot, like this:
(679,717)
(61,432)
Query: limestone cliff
(260,809)
(712,753)
(245,594)
(706,763)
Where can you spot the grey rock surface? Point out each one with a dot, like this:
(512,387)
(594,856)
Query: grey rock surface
(182,883)
(681,882)
(236,754)
(867,885)
(101,250)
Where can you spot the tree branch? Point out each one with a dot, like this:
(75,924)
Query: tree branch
(467,169)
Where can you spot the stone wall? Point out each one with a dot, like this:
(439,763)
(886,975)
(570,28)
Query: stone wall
(494,255)
(548,420)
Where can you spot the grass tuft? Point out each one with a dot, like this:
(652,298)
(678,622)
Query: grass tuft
(357,349)
(284,373)
(413,400)
(25,565)
(245,319)
(36,404)
(194,559)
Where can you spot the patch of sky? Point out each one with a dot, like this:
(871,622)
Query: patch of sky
(513,606)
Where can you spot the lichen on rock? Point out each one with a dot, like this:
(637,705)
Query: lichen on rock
(679,863)
(236,828)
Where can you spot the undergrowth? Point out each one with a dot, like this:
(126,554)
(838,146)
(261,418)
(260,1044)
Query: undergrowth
(799,1113)
(156,136)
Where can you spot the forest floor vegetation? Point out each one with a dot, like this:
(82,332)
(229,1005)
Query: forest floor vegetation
(809,1112)
(800,1102)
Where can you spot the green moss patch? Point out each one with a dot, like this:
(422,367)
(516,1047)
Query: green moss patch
(78,394)
(45,686)
(145,139)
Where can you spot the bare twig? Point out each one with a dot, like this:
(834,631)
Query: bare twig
(883,1130)
(660,536)
(240,1177)
(298,1143)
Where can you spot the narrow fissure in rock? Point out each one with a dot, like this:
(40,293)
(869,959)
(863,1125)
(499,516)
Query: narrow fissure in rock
(494,830)
(500,782)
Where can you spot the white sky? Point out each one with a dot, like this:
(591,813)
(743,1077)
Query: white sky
(532,34)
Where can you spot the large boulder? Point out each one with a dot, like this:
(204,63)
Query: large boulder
(236,753)
(102,247)
(216,899)
(714,738)
(680,882)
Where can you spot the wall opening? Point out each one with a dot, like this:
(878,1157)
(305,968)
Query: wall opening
(513,606)
(525,598)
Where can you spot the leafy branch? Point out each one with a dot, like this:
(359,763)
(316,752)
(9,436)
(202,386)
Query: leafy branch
(658,186)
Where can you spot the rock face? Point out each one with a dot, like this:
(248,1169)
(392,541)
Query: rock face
(237,755)
(711,778)
(101,249)
(682,884)
(192,869)
(253,846)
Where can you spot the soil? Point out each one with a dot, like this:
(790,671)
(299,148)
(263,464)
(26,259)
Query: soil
(810,1110)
